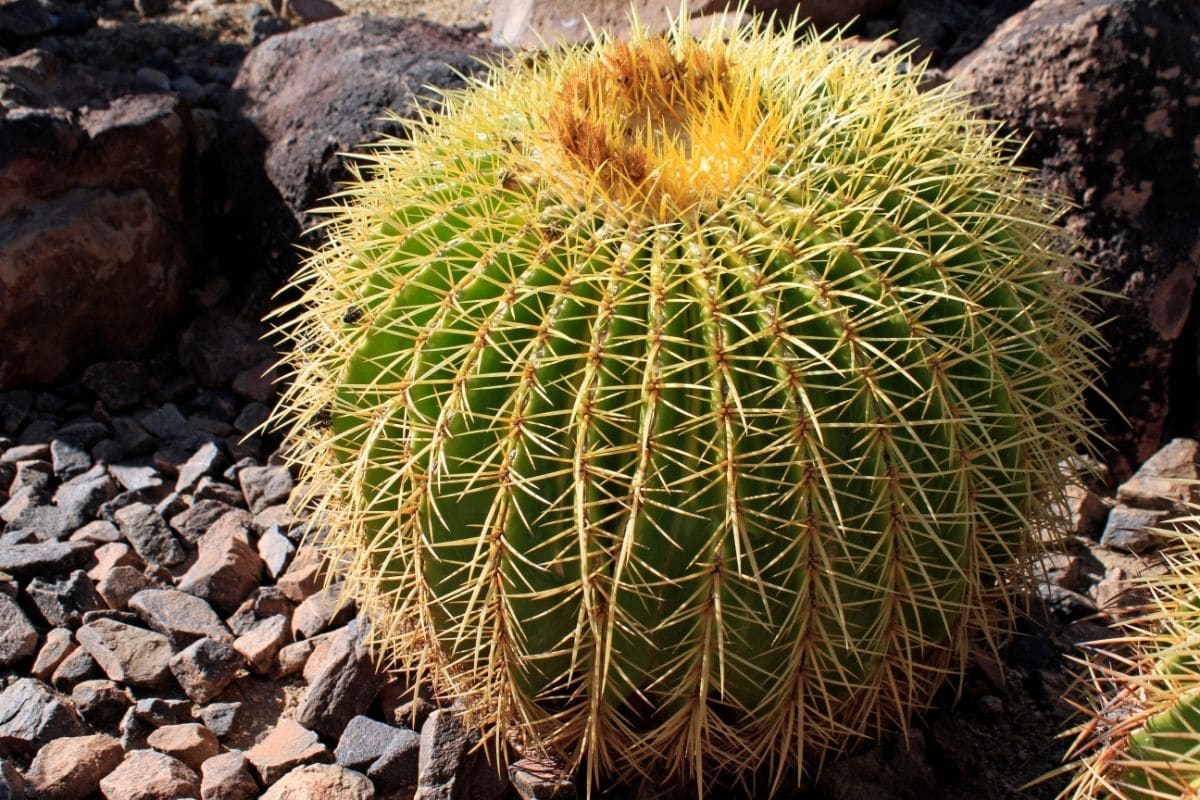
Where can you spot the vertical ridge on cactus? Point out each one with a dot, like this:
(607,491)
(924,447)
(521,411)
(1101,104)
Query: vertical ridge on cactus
(686,405)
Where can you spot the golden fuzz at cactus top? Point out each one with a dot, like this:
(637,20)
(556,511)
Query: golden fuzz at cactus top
(684,406)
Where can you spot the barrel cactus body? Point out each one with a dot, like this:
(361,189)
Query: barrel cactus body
(683,404)
(1142,739)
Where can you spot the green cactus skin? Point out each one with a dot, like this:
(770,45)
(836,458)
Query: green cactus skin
(1143,740)
(684,406)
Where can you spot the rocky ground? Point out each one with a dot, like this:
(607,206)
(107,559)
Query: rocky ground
(165,627)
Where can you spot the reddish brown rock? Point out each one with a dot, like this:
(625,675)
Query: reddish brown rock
(58,645)
(149,775)
(227,777)
(110,555)
(304,577)
(325,609)
(67,769)
(190,742)
(260,644)
(288,745)
(92,204)
(1169,479)
(321,781)
(127,654)
(227,567)
(205,667)
(1102,95)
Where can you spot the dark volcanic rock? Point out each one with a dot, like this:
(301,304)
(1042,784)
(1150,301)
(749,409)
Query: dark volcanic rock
(43,558)
(1104,92)
(93,200)
(344,688)
(302,98)
(31,715)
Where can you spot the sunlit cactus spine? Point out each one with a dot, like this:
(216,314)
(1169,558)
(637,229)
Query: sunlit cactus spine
(684,406)
(1142,738)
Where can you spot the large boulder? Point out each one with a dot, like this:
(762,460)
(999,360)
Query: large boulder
(95,214)
(1107,92)
(302,99)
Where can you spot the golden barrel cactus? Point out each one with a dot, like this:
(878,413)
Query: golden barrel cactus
(683,404)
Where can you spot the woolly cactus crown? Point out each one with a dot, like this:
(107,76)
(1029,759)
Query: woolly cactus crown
(684,404)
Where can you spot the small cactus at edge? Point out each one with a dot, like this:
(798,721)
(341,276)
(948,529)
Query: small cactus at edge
(1141,740)
(683,405)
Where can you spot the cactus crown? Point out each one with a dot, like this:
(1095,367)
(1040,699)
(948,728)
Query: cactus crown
(683,405)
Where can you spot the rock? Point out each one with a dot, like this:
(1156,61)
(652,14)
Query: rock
(215,347)
(67,769)
(98,531)
(101,702)
(76,667)
(191,743)
(288,745)
(23,19)
(93,202)
(164,422)
(1098,92)
(227,777)
(64,601)
(196,521)
(292,658)
(28,560)
(218,717)
(320,611)
(304,577)
(179,615)
(1169,479)
(395,770)
(269,601)
(251,417)
(345,686)
(210,489)
(134,731)
(111,555)
(58,645)
(278,152)
(18,639)
(276,551)
(149,534)
(148,775)
(205,668)
(259,382)
(260,644)
(119,385)
(363,742)
(120,584)
(538,780)
(443,745)
(265,486)
(207,461)
(12,786)
(127,654)
(69,459)
(227,567)
(136,478)
(1127,529)
(159,711)
(320,781)
(31,715)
